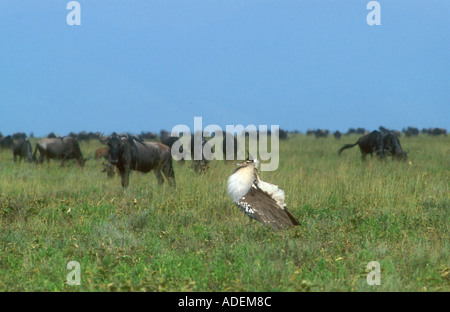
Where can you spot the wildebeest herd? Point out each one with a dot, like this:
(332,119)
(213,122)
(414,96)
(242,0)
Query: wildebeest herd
(144,152)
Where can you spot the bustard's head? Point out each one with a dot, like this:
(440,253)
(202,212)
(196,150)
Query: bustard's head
(253,163)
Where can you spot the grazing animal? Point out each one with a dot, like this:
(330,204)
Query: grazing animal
(64,148)
(321,133)
(6,142)
(128,153)
(19,136)
(361,130)
(22,149)
(102,152)
(368,144)
(199,165)
(110,170)
(391,145)
(259,200)
(337,135)
(283,134)
(435,131)
(411,131)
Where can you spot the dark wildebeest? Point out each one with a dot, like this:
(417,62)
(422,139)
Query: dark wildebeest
(19,136)
(128,153)
(391,145)
(383,129)
(337,135)
(149,136)
(321,133)
(368,144)
(436,131)
(199,165)
(59,148)
(101,152)
(6,142)
(283,134)
(360,130)
(411,131)
(22,149)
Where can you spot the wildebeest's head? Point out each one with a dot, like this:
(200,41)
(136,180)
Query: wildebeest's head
(115,143)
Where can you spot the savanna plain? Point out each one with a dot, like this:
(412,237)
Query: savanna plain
(193,238)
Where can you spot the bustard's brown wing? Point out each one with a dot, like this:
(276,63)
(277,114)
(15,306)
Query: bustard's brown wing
(260,206)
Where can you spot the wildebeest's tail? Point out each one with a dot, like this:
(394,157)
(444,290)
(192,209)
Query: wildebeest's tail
(347,146)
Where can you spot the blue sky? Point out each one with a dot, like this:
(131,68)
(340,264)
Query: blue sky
(150,65)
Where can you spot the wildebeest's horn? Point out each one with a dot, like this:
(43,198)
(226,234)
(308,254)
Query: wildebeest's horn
(102,139)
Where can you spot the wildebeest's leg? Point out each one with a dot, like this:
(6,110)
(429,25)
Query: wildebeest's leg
(167,169)
(125,175)
(380,152)
(159,176)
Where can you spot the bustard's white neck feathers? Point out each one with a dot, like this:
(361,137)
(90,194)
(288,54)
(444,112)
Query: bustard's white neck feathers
(246,177)
(241,181)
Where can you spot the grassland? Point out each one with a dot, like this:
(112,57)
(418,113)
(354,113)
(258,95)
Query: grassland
(154,238)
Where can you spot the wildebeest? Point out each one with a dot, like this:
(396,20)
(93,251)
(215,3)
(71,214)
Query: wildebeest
(321,133)
(19,136)
(368,144)
(101,152)
(6,142)
(199,165)
(150,136)
(110,169)
(128,153)
(22,149)
(282,134)
(337,134)
(385,130)
(360,130)
(435,131)
(391,145)
(64,148)
(411,131)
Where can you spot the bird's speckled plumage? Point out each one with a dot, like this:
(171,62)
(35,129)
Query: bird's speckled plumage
(259,200)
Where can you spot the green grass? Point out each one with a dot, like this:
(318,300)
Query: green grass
(155,238)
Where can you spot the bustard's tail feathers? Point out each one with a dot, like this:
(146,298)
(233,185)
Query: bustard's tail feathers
(273,191)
